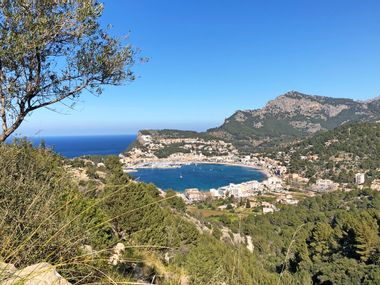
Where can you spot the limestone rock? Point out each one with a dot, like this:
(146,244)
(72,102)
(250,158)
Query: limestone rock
(6,270)
(88,250)
(37,274)
(117,251)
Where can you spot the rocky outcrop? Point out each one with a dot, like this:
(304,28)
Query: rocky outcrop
(295,103)
(38,274)
(293,116)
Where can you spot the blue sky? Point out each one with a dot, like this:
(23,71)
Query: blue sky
(209,58)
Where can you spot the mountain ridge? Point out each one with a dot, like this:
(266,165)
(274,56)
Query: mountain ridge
(293,115)
(288,118)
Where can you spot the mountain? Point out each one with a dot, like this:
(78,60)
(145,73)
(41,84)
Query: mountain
(288,118)
(293,116)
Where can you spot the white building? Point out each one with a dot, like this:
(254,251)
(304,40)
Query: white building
(325,185)
(216,193)
(359,178)
(194,195)
(273,184)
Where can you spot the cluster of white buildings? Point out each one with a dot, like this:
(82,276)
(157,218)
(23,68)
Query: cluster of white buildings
(327,185)
(248,189)
(324,185)
(243,190)
(190,146)
(271,165)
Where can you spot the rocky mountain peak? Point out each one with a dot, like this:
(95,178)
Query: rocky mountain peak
(294,94)
(293,103)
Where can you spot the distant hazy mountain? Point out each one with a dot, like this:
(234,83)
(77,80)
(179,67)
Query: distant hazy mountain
(293,116)
(288,118)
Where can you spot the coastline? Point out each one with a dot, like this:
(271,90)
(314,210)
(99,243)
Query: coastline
(178,164)
(256,167)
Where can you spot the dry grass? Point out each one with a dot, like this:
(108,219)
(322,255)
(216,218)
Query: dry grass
(44,218)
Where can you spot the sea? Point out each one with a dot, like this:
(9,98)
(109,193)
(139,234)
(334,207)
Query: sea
(202,176)
(75,146)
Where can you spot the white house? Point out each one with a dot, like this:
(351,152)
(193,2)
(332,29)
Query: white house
(359,178)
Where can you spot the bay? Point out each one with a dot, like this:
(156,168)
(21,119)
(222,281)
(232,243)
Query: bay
(202,176)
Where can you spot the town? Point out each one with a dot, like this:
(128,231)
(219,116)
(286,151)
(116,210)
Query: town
(278,188)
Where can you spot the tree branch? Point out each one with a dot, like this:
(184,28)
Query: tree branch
(2,98)
(60,98)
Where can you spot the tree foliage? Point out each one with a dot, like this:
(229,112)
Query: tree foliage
(51,51)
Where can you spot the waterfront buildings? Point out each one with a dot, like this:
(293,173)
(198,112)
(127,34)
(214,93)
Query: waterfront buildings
(216,193)
(194,195)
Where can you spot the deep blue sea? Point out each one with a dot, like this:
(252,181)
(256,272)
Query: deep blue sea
(201,176)
(74,146)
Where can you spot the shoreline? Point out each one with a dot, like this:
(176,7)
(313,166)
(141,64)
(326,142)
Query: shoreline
(178,164)
(266,173)
(259,168)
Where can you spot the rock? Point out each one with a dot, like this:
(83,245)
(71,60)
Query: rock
(250,245)
(118,248)
(6,270)
(167,257)
(117,251)
(88,250)
(38,274)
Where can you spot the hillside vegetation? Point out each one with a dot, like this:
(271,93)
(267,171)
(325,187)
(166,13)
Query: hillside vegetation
(48,216)
(332,239)
(338,154)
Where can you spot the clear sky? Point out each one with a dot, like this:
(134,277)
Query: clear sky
(209,58)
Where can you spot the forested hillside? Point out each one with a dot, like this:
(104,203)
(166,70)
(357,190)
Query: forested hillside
(338,154)
(47,215)
(332,239)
